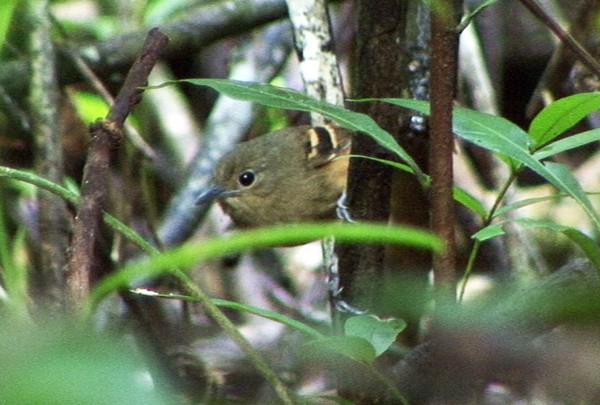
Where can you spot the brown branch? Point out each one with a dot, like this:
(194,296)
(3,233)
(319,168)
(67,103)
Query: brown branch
(565,37)
(106,134)
(444,67)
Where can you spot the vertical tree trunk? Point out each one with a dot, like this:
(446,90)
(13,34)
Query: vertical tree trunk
(391,61)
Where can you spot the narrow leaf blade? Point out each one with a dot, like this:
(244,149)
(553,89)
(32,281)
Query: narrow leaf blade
(502,136)
(568,143)
(279,97)
(561,115)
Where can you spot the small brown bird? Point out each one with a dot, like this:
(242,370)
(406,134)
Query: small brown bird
(288,176)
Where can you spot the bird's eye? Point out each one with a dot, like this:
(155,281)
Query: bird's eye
(247,178)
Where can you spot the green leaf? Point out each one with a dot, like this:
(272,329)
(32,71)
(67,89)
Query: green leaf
(571,186)
(189,254)
(489,232)
(561,115)
(488,131)
(470,15)
(524,203)
(6,14)
(381,333)
(265,313)
(280,97)
(571,142)
(587,244)
(468,200)
(329,349)
(502,136)
(90,106)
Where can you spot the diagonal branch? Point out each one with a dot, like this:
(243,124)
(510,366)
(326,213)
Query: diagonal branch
(106,134)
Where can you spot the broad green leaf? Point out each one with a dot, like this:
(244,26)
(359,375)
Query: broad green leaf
(560,116)
(502,136)
(251,309)
(329,349)
(381,333)
(189,254)
(488,131)
(280,97)
(587,244)
(571,142)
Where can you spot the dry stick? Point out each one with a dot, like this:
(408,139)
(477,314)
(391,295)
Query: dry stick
(106,134)
(444,66)
(566,38)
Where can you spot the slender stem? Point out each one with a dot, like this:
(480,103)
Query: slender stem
(487,221)
(444,68)
(582,54)
(513,176)
(232,331)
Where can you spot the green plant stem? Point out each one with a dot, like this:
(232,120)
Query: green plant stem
(75,199)
(470,263)
(486,221)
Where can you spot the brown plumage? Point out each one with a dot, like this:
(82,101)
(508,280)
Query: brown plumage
(291,175)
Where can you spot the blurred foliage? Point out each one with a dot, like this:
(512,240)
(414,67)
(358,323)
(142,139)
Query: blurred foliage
(60,362)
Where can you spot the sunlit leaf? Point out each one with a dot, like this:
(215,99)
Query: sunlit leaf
(90,106)
(561,115)
(6,15)
(568,143)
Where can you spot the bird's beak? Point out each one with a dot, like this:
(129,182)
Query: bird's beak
(213,193)
(210,195)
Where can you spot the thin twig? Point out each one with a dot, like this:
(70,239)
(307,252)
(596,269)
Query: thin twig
(105,136)
(584,56)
